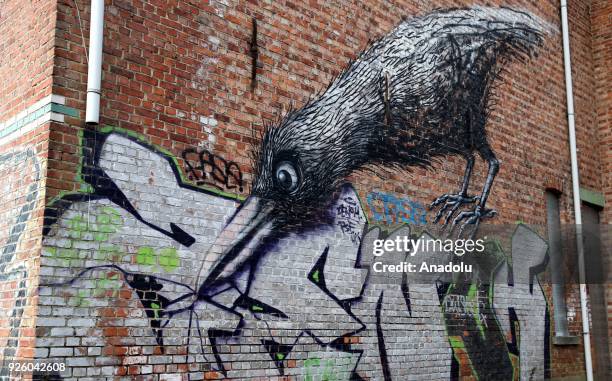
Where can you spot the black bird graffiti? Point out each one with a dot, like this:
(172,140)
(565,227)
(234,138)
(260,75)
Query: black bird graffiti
(421,93)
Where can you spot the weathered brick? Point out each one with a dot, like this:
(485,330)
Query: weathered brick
(179,77)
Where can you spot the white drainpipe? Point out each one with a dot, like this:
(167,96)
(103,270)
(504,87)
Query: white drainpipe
(94,73)
(576,190)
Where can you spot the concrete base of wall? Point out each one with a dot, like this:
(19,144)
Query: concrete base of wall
(566,340)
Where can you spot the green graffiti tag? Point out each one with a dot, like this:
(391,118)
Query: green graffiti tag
(319,370)
(167,258)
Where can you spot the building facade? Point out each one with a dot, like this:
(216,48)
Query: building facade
(135,249)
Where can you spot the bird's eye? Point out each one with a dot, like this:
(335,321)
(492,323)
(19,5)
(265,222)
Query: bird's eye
(287,176)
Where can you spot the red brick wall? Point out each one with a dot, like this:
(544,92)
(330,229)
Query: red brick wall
(581,46)
(601,19)
(165,67)
(28,31)
(601,26)
(178,72)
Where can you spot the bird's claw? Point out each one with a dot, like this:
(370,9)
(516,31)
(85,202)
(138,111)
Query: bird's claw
(450,203)
(472,218)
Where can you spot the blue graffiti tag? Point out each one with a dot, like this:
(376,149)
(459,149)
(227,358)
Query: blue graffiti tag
(395,209)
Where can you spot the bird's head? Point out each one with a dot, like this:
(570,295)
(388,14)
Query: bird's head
(298,167)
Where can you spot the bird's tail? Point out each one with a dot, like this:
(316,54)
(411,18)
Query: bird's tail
(511,31)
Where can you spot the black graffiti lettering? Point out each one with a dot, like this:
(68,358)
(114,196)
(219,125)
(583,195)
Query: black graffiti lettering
(206,168)
(217,165)
(191,171)
(233,176)
(349,209)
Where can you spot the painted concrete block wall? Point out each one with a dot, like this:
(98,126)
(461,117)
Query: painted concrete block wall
(119,294)
(22,173)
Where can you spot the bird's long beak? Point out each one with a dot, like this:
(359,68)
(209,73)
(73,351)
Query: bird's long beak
(236,243)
